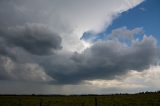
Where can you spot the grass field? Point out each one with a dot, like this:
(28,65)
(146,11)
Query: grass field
(90,100)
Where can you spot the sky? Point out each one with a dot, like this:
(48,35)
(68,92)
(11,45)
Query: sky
(79,46)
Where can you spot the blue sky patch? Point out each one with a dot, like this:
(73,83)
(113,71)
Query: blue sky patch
(145,15)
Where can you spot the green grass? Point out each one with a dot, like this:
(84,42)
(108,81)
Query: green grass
(108,100)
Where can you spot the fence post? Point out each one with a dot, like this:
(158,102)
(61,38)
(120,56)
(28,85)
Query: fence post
(95,101)
(41,102)
(19,102)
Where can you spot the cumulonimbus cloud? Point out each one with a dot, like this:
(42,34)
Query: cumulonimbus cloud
(105,59)
(29,41)
(108,59)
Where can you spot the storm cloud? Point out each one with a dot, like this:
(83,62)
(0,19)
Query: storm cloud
(33,52)
(40,42)
(107,59)
(22,43)
(33,38)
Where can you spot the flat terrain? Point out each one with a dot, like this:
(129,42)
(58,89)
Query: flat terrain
(88,100)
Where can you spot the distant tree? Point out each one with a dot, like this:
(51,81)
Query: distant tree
(33,94)
(158,91)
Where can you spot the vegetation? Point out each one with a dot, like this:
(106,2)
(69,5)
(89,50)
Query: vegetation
(140,99)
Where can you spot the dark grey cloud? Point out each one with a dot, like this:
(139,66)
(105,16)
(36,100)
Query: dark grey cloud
(104,60)
(20,45)
(35,39)
(23,37)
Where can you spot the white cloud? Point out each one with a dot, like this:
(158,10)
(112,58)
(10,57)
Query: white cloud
(88,15)
(69,18)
